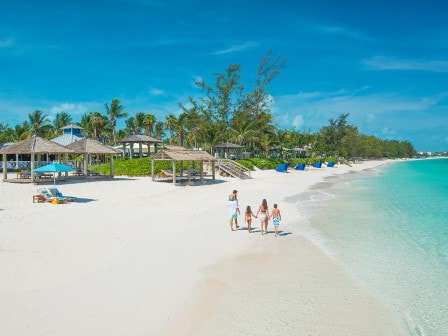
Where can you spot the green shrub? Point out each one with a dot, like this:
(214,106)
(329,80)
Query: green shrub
(262,163)
(136,167)
(246,163)
(332,159)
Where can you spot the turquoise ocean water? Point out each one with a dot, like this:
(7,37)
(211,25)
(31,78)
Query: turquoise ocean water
(388,227)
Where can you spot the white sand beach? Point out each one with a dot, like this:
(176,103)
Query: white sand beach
(136,257)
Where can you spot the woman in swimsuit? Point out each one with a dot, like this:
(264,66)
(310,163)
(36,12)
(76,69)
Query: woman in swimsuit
(234,210)
(248,217)
(264,215)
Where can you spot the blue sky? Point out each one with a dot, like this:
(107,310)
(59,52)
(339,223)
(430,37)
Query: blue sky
(385,63)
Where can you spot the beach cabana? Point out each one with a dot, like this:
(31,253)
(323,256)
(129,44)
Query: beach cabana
(34,146)
(300,166)
(227,150)
(317,164)
(282,168)
(181,156)
(330,164)
(139,139)
(87,147)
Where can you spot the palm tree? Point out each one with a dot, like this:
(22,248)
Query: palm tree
(149,123)
(39,122)
(97,122)
(21,131)
(159,130)
(60,120)
(130,126)
(171,125)
(139,122)
(114,111)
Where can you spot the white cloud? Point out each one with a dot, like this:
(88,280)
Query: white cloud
(76,109)
(156,92)
(235,48)
(9,42)
(298,122)
(386,63)
(370,118)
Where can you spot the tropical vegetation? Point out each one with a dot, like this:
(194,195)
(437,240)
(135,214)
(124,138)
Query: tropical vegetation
(226,111)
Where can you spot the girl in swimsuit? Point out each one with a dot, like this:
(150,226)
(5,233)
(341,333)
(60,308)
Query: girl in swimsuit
(248,217)
(263,209)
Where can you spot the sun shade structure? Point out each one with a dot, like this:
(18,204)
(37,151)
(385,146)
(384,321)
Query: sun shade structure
(53,168)
(88,147)
(34,145)
(184,155)
(228,148)
(140,139)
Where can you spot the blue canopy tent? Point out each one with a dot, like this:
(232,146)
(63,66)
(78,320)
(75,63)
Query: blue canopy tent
(282,168)
(53,168)
(300,166)
(330,164)
(317,164)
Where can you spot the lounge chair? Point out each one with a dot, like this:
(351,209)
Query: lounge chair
(49,197)
(56,193)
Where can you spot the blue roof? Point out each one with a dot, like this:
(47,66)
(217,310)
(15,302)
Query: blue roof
(66,139)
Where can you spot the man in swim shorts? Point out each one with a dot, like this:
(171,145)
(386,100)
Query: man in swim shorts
(234,212)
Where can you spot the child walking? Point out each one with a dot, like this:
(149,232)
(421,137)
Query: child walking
(276,218)
(248,217)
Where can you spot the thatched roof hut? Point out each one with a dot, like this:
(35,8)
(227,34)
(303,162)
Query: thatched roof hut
(90,146)
(35,145)
(183,155)
(87,147)
(228,145)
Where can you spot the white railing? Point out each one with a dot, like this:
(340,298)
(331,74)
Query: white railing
(21,164)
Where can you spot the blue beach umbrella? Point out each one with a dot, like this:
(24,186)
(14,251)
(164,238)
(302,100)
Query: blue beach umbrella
(53,168)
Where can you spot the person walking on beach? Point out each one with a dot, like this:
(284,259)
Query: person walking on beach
(233,196)
(234,212)
(276,218)
(264,216)
(248,217)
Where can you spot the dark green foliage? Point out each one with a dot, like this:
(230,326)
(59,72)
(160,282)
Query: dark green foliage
(246,163)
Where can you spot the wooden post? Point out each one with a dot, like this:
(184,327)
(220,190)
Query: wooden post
(152,169)
(181,168)
(33,175)
(131,155)
(149,149)
(124,150)
(213,170)
(111,166)
(140,150)
(66,163)
(39,160)
(17,161)
(5,172)
(201,171)
(189,171)
(174,172)
(85,155)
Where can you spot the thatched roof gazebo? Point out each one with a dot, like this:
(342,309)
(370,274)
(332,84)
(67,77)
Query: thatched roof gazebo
(34,145)
(181,156)
(227,148)
(88,147)
(140,139)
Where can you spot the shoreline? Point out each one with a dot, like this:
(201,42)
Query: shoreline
(130,259)
(326,310)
